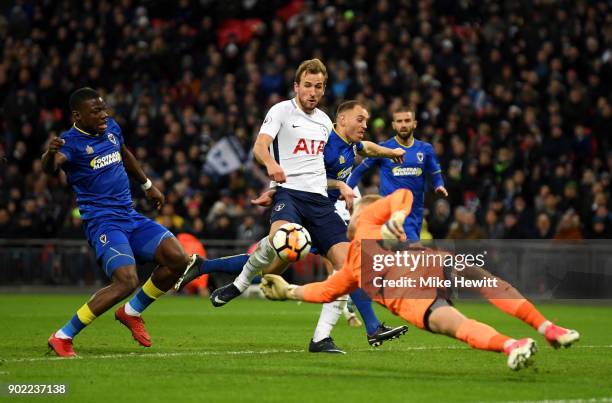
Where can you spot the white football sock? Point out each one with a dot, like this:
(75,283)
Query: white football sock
(508,342)
(330,313)
(61,335)
(543,326)
(130,310)
(260,259)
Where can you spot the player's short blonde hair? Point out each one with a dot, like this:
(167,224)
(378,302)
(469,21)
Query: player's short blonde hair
(312,66)
(349,105)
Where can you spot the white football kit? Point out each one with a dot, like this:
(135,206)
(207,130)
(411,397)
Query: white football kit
(298,145)
(299,140)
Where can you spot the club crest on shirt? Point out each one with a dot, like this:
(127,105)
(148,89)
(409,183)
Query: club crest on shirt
(420,156)
(112,138)
(279,207)
(103,239)
(89,149)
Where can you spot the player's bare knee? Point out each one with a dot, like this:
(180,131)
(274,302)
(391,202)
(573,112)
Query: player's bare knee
(174,258)
(178,261)
(127,286)
(274,227)
(125,281)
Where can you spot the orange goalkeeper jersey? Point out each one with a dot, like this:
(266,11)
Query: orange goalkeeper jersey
(369,224)
(413,304)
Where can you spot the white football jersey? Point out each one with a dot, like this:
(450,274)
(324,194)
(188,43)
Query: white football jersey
(299,140)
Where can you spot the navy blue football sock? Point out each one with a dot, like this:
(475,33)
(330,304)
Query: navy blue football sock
(227,264)
(363,303)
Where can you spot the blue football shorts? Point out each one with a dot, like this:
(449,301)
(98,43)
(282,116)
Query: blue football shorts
(124,240)
(315,212)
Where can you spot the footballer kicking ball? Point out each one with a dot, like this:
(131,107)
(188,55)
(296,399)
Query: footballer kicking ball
(291,242)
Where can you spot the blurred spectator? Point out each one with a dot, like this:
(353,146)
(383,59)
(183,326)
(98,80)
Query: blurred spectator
(5,223)
(511,228)
(569,226)
(168,216)
(250,230)
(222,228)
(524,216)
(544,228)
(516,104)
(493,227)
(440,220)
(73,229)
(464,226)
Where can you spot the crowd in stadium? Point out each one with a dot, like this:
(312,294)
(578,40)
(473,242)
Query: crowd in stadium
(514,96)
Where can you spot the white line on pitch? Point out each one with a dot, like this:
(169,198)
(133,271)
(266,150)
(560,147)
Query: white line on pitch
(241,352)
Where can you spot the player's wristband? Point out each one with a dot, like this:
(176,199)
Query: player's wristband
(147,185)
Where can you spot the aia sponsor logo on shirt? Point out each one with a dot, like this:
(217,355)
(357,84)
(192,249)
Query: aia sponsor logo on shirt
(310,147)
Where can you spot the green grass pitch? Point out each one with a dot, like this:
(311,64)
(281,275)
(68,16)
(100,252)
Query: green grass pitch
(255,350)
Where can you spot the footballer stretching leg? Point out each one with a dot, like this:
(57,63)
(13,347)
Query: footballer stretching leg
(99,168)
(515,304)
(383,219)
(263,258)
(125,282)
(290,145)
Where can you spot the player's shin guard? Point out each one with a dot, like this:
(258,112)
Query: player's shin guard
(262,257)
(143,298)
(481,336)
(363,303)
(81,318)
(330,313)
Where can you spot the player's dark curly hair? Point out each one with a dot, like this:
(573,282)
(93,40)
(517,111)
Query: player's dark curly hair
(81,95)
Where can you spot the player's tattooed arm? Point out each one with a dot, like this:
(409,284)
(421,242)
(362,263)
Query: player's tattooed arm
(133,169)
(371,149)
(52,159)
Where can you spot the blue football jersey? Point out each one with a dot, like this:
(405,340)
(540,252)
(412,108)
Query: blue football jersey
(95,171)
(420,166)
(339,155)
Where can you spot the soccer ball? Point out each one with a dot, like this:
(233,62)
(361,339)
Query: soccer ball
(291,242)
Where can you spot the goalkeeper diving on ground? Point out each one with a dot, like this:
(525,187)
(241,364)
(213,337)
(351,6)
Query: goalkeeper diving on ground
(376,217)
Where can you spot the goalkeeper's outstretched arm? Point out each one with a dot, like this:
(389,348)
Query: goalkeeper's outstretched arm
(338,284)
